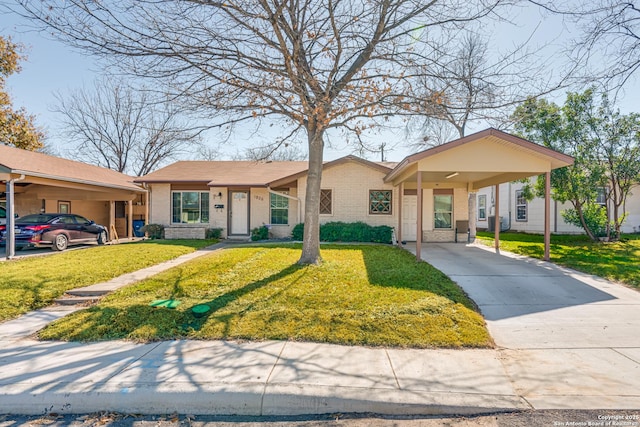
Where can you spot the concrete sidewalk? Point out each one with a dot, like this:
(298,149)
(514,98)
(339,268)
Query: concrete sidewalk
(290,378)
(266,378)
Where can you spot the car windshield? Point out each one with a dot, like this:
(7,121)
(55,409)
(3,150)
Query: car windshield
(36,219)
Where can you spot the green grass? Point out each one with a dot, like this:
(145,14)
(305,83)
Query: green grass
(360,295)
(617,261)
(31,283)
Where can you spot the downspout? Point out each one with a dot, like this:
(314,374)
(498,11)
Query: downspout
(10,247)
(289,197)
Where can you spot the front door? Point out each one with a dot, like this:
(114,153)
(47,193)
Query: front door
(239,213)
(409,218)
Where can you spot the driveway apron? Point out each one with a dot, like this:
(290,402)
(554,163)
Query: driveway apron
(567,339)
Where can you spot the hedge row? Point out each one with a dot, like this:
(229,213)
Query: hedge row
(349,232)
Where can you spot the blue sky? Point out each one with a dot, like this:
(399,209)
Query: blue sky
(52,67)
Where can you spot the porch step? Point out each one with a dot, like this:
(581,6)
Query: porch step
(74,300)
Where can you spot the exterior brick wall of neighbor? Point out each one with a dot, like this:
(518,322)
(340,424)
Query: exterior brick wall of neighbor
(184,232)
(25,206)
(160,204)
(350,184)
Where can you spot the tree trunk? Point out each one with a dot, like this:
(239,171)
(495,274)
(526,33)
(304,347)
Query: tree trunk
(586,228)
(311,237)
(616,210)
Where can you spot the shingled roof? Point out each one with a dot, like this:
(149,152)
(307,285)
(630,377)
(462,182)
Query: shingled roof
(30,163)
(243,173)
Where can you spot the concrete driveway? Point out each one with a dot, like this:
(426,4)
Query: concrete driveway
(535,304)
(563,336)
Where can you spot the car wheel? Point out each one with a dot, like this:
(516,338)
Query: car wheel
(60,243)
(102,237)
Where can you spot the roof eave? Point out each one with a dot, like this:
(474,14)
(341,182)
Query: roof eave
(133,187)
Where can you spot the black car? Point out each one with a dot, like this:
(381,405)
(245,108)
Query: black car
(55,230)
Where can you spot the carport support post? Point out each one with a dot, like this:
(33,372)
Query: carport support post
(10,247)
(400,196)
(419,218)
(547,216)
(130,219)
(112,218)
(496,219)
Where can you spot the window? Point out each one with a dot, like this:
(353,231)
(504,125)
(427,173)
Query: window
(521,206)
(326,207)
(482,207)
(190,207)
(64,207)
(279,208)
(380,202)
(443,211)
(601,198)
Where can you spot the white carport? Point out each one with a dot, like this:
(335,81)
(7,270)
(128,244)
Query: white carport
(487,158)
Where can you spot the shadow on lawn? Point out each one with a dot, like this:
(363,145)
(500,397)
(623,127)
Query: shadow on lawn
(224,300)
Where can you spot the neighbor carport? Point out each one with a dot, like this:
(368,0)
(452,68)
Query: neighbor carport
(37,182)
(484,159)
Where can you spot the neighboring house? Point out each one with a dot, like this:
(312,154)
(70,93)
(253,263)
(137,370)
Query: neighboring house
(43,183)
(518,214)
(190,196)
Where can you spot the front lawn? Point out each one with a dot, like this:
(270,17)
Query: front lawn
(31,283)
(617,261)
(360,295)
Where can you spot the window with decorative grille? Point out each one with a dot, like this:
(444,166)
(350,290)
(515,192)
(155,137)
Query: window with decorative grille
(380,202)
(326,207)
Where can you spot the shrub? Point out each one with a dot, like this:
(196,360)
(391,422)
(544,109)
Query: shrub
(298,232)
(594,216)
(154,231)
(213,233)
(260,233)
(348,232)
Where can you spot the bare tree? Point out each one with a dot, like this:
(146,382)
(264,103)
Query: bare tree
(472,85)
(288,152)
(120,128)
(315,65)
(607,48)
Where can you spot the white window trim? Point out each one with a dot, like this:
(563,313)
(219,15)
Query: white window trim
(285,195)
(484,196)
(452,212)
(526,207)
(189,224)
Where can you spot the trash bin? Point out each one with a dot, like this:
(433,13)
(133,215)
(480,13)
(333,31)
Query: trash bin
(137,227)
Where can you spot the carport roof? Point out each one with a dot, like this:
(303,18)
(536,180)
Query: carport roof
(16,161)
(482,159)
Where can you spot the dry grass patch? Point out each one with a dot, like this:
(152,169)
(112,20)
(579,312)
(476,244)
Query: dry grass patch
(366,295)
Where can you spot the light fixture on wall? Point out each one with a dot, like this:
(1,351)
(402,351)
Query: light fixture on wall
(451,175)
(219,195)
